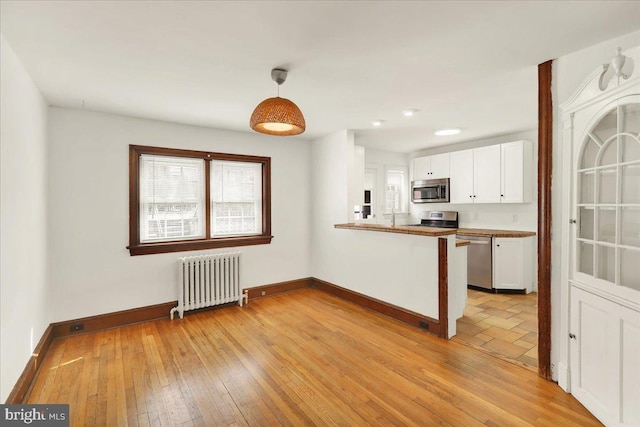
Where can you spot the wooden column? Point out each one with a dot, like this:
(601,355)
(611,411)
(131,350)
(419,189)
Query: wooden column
(545,164)
(443,288)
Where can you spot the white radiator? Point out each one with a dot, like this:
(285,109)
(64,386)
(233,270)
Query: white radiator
(206,280)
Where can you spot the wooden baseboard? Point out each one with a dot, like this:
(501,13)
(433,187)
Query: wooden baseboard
(112,320)
(19,391)
(412,318)
(278,288)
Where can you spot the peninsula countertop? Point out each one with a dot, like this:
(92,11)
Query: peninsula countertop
(400,229)
(482,232)
(435,232)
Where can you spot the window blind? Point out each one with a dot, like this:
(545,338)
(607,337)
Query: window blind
(171,198)
(236,198)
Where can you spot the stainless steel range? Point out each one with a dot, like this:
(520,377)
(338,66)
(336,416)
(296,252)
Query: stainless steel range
(440,219)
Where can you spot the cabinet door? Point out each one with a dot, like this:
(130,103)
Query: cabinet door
(486,174)
(439,166)
(508,263)
(421,168)
(595,348)
(512,172)
(461,182)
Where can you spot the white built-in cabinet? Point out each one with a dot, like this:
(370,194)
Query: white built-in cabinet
(605,354)
(513,263)
(498,173)
(486,174)
(600,278)
(430,167)
(516,163)
(461,180)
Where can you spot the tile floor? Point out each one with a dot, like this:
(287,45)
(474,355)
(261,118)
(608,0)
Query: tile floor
(505,325)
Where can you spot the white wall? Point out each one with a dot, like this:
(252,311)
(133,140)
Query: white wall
(329,197)
(492,215)
(24,309)
(91,269)
(400,269)
(569,72)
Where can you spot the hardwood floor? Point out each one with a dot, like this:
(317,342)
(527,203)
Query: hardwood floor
(301,358)
(504,325)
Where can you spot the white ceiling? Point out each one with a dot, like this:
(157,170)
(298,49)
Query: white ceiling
(467,64)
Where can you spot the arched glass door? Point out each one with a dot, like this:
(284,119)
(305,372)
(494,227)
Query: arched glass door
(608,200)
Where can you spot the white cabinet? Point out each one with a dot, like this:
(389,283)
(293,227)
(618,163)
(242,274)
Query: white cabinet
(493,174)
(475,175)
(513,263)
(461,181)
(599,348)
(515,172)
(486,174)
(431,167)
(604,343)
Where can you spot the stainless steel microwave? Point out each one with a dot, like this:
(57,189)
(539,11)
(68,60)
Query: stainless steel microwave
(430,191)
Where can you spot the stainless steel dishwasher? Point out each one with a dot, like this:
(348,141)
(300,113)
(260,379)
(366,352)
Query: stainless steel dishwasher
(479,261)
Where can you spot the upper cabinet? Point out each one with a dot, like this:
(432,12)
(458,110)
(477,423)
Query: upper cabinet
(431,167)
(461,180)
(516,160)
(492,174)
(486,174)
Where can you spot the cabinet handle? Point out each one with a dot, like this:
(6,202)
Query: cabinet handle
(572,336)
(502,195)
(474,195)
(498,245)
(470,196)
(572,221)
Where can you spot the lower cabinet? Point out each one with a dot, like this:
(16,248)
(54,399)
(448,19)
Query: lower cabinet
(605,342)
(513,263)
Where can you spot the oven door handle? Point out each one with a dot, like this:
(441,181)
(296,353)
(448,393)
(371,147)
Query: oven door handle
(479,242)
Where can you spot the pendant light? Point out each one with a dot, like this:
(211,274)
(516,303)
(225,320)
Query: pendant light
(278,116)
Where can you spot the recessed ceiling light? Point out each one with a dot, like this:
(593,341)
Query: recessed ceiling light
(445,132)
(410,112)
(377,122)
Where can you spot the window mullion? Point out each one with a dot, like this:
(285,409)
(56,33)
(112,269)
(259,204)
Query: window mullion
(207,197)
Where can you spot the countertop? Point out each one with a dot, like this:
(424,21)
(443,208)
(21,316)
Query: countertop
(435,232)
(482,232)
(401,229)
(461,242)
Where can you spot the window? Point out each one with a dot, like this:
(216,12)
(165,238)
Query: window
(183,200)
(396,197)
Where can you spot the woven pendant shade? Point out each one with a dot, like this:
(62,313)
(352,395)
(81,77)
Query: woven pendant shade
(277,116)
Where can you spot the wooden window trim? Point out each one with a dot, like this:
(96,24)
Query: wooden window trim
(137,248)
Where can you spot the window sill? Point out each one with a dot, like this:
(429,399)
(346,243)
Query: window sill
(197,245)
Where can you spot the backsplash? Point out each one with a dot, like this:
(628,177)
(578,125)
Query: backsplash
(517,216)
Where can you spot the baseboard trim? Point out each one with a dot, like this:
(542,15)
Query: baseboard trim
(277,288)
(412,318)
(564,377)
(20,390)
(113,320)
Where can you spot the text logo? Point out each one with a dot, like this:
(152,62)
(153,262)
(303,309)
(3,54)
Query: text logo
(34,415)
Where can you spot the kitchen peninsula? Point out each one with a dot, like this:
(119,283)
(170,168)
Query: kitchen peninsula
(419,270)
